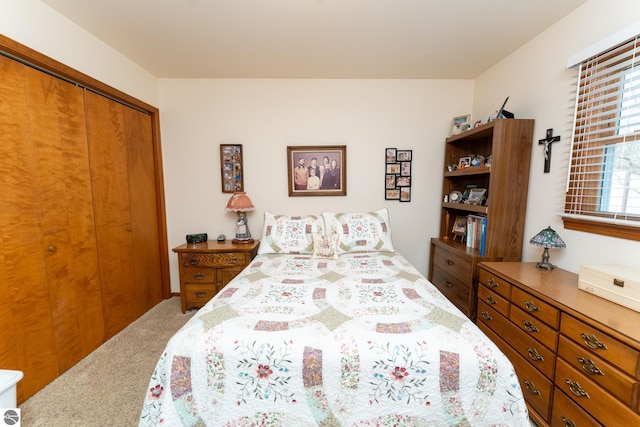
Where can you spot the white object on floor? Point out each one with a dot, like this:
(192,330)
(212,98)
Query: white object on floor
(8,381)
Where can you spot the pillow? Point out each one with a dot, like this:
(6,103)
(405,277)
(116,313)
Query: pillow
(361,232)
(325,245)
(285,234)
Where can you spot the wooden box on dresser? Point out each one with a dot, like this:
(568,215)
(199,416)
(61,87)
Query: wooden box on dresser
(207,267)
(453,265)
(577,355)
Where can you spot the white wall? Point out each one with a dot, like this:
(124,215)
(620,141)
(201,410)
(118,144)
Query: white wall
(266,116)
(542,88)
(36,25)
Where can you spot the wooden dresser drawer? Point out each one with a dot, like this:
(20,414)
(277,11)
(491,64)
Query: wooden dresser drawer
(592,398)
(493,299)
(200,294)
(536,307)
(197,275)
(455,264)
(530,349)
(222,259)
(615,352)
(452,288)
(600,372)
(534,327)
(567,413)
(496,284)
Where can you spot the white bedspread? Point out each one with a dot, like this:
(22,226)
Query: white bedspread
(364,340)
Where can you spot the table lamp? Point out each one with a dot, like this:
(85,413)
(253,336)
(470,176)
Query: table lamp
(241,203)
(547,239)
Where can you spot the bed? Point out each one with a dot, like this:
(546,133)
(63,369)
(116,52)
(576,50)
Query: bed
(330,326)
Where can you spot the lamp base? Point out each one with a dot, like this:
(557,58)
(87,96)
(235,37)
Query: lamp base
(241,241)
(545,265)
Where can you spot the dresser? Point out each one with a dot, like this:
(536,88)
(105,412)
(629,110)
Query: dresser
(577,355)
(207,267)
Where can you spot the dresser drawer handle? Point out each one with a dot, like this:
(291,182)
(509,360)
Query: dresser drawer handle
(568,422)
(592,342)
(589,366)
(199,276)
(530,326)
(533,354)
(449,284)
(193,261)
(491,300)
(201,294)
(532,388)
(486,315)
(492,283)
(531,306)
(575,388)
(449,262)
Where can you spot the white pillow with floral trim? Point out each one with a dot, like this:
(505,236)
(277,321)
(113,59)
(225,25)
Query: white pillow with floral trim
(325,245)
(289,234)
(361,231)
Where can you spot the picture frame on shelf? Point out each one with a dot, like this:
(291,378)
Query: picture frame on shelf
(459,227)
(476,196)
(464,162)
(460,124)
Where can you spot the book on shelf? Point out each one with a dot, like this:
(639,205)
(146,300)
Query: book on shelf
(476,237)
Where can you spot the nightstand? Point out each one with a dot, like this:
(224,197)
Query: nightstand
(207,267)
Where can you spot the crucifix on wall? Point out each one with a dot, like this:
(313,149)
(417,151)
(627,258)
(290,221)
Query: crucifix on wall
(547,148)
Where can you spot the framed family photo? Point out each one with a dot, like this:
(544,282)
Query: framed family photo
(317,170)
(231,168)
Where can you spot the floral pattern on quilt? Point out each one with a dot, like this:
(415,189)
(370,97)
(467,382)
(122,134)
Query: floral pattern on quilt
(364,340)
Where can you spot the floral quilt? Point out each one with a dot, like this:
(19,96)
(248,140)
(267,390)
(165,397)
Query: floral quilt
(362,340)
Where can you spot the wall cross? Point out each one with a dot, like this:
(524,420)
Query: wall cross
(547,148)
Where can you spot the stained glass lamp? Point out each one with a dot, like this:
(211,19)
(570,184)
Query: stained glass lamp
(547,239)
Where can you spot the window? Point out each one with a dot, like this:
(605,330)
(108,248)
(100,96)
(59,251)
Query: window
(603,190)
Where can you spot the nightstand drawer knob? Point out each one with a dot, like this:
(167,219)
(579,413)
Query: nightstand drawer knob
(531,306)
(449,262)
(199,276)
(492,283)
(486,315)
(201,294)
(52,248)
(592,342)
(193,261)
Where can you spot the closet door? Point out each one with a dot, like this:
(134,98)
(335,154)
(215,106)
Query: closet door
(49,271)
(123,182)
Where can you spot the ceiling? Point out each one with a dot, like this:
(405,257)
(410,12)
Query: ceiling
(388,39)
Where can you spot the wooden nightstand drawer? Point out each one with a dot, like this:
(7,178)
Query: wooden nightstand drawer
(456,265)
(197,275)
(600,371)
(593,398)
(494,300)
(496,284)
(615,352)
(214,260)
(456,291)
(534,327)
(200,294)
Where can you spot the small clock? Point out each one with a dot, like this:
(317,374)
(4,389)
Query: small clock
(455,197)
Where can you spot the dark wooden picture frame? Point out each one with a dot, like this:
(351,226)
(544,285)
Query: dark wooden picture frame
(459,227)
(231,168)
(327,162)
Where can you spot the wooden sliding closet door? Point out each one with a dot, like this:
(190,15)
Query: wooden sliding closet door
(51,313)
(122,173)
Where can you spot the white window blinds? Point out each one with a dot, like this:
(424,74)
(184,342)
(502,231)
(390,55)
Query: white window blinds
(604,174)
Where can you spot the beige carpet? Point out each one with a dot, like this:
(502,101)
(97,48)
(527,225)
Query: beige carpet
(107,387)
